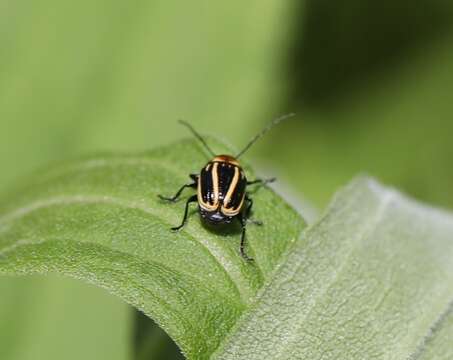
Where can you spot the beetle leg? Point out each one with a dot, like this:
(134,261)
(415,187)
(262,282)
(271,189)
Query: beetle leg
(248,211)
(178,194)
(243,221)
(249,206)
(192,199)
(261,181)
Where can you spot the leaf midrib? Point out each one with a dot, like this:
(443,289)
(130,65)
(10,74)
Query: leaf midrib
(431,332)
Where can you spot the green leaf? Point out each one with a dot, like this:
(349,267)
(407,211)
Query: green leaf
(370,280)
(99,219)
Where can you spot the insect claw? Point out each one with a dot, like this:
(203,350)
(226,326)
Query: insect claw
(164,198)
(255,222)
(246,257)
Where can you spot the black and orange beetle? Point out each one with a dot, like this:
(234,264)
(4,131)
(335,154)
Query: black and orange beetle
(221,188)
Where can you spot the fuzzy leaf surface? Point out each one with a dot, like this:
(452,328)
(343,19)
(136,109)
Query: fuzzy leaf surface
(372,279)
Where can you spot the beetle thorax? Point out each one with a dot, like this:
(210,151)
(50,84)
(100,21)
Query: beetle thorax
(226,159)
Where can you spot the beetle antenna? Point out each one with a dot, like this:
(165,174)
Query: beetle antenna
(263,132)
(197,135)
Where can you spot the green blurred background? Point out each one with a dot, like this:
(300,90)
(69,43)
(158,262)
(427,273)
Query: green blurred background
(371,83)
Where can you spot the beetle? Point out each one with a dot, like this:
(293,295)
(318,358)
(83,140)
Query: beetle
(221,188)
